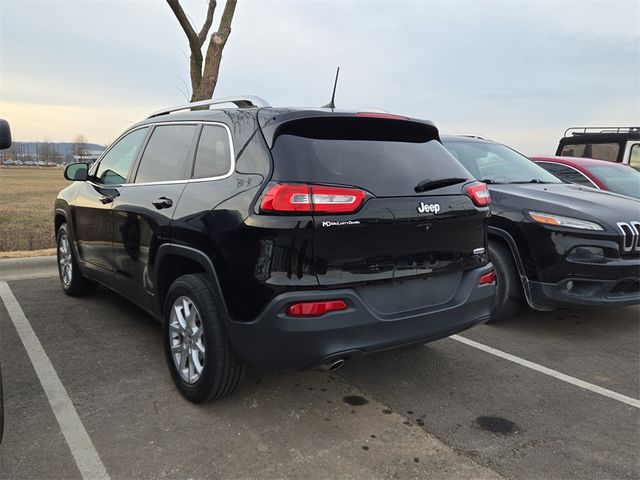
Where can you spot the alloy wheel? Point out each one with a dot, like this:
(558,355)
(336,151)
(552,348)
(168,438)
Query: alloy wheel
(64,260)
(186,339)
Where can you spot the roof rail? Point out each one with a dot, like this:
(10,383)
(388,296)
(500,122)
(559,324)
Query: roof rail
(471,135)
(240,101)
(585,130)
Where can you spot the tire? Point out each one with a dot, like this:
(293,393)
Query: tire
(508,299)
(73,282)
(207,375)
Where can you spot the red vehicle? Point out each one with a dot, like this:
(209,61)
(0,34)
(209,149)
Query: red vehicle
(601,174)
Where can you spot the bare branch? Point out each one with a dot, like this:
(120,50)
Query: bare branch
(184,94)
(195,64)
(204,31)
(185,86)
(214,53)
(204,82)
(186,57)
(184,21)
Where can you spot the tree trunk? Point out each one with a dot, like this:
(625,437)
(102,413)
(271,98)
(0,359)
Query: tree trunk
(203,83)
(217,43)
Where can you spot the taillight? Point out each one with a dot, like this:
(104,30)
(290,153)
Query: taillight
(479,193)
(315,309)
(488,278)
(311,198)
(287,198)
(336,199)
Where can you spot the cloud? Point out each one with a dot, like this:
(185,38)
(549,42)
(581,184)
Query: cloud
(521,70)
(64,122)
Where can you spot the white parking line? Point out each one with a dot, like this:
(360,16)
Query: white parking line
(82,449)
(547,371)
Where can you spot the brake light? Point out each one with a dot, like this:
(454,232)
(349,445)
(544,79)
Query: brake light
(381,115)
(479,194)
(311,198)
(315,309)
(488,278)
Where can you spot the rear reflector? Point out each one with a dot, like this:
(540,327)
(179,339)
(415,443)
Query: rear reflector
(479,194)
(311,198)
(315,309)
(381,115)
(488,278)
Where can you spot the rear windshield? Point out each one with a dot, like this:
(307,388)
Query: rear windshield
(386,163)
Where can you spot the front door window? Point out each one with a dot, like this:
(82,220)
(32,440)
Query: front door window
(115,165)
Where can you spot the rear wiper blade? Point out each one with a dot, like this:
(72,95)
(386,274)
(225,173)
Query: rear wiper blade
(489,181)
(431,184)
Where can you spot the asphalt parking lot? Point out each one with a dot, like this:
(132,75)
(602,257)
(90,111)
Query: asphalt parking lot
(557,398)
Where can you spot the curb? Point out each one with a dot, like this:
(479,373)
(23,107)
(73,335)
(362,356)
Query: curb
(28,267)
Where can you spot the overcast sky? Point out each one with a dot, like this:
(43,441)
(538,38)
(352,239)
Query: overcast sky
(517,71)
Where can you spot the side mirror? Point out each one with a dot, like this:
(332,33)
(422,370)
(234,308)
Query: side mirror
(5,135)
(76,172)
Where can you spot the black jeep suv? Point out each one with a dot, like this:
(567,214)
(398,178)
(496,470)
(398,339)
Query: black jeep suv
(553,243)
(279,237)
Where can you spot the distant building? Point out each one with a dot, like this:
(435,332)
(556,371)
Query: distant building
(47,154)
(90,156)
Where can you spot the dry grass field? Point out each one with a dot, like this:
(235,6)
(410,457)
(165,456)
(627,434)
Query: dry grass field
(26,207)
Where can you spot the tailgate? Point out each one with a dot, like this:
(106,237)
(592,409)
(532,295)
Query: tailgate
(390,238)
(392,231)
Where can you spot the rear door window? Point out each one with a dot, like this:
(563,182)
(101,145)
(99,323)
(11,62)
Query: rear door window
(386,161)
(566,174)
(213,156)
(166,155)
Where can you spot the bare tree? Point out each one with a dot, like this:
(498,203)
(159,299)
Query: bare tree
(10,154)
(46,151)
(205,77)
(80,147)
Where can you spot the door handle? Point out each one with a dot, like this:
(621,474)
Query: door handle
(162,202)
(106,199)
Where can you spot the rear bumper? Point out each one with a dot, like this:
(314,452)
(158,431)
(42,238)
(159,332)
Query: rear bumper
(277,340)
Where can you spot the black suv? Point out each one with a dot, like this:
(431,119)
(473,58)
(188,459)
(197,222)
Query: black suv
(288,238)
(553,243)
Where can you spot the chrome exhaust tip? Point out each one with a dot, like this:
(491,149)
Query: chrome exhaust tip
(332,366)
